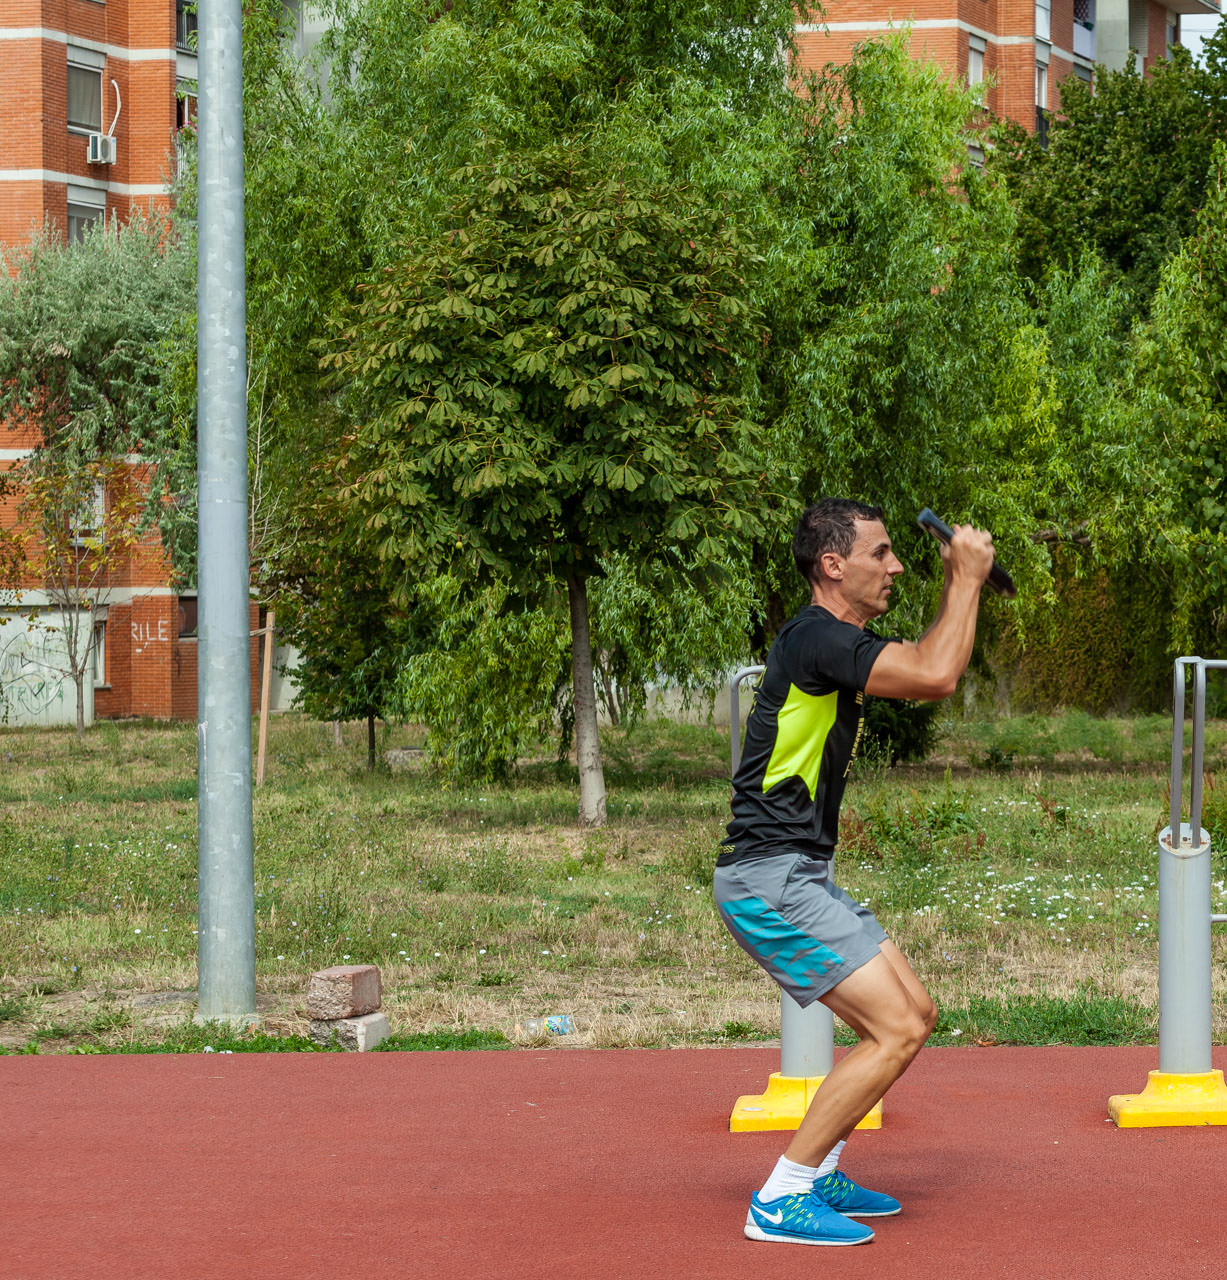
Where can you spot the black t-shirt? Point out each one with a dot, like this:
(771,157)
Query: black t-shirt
(801,738)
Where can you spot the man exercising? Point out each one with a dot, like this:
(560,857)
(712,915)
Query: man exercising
(773,878)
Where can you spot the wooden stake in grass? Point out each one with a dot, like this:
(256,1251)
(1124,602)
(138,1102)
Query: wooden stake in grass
(266,680)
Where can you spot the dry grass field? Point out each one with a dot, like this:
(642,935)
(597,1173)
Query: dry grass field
(1017,868)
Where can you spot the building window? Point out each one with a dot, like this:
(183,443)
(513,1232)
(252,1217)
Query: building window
(1083,73)
(84,96)
(98,655)
(185,108)
(187,616)
(85,207)
(1173,33)
(1041,85)
(88,522)
(1084,29)
(1043,19)
(975,61)
(185,25)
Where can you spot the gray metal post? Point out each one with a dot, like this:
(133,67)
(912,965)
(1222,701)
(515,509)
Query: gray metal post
(807,1039)
(1184,895)
(807,1036)
(742,673)
(226,903)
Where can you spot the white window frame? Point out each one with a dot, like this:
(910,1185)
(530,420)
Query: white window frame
(94,526)
(86,205)
(84,62)
(976,49)
(1043,19)
(1041,83)
(98,653)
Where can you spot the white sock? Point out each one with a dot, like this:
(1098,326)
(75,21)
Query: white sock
(788,1179)
(831,1162)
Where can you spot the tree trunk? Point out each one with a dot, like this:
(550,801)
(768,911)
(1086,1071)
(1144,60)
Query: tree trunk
(587,744)
(337,739)
(78,678)
(610,693)
(370,741)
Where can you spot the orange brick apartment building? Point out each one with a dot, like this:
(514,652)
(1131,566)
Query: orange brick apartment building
(92,95)
(144,633)
(1020,50)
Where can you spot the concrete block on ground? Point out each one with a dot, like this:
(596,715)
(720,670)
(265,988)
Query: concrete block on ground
(344,991)
(358,1034)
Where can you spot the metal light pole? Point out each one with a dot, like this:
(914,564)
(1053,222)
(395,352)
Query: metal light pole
(226,903)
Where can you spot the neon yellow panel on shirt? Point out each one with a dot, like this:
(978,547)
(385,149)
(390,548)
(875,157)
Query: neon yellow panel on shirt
(804,721)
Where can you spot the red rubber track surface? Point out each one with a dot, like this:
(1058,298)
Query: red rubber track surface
(567,1163)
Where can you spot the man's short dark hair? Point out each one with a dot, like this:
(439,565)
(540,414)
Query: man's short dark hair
(829,525)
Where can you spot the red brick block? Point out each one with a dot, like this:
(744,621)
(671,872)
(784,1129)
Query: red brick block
(344,991)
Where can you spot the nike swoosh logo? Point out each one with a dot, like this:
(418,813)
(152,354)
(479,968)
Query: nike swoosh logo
(777,1217)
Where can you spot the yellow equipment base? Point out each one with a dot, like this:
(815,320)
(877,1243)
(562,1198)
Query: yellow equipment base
(783,1105)
(1171,1098)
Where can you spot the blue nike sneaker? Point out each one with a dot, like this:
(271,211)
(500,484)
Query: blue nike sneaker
(802,1218)
(844,1196)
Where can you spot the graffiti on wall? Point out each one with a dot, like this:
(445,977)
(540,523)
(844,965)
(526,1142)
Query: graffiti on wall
(147,632)
(35,684)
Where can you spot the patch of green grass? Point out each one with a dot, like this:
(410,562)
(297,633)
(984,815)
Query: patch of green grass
(738,1030)
(415,1041)
(12,1008)
(217,1037)
(496,978)
(1083,1019)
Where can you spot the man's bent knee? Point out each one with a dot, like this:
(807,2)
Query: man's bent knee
(929,1013)
(906,1040)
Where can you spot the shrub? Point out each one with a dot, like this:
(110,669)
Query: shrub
(899,730)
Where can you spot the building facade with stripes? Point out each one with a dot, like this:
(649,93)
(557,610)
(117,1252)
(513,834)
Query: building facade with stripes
(93,95)
(1016,51)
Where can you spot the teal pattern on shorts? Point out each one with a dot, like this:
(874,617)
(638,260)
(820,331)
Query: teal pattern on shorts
(775,941)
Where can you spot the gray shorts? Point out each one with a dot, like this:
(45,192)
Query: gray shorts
(786,914)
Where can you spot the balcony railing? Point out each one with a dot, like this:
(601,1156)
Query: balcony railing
(1084,41)
(185,25)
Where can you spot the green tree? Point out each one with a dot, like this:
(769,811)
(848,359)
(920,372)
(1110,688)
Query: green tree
(1124,171)
(553,378)
(84,338)
(658,624)
(85,354)
(896,317)
(353,157)
(1182,378)
(78,522)
(491,676)
(333,605)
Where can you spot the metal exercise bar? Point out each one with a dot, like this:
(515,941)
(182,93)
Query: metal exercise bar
(807,1036)
(1184,892)
(742,673)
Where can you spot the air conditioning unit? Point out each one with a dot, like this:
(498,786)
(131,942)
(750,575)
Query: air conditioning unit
(101,149)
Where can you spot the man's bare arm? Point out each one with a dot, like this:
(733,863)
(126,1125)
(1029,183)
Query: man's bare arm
(930,668)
